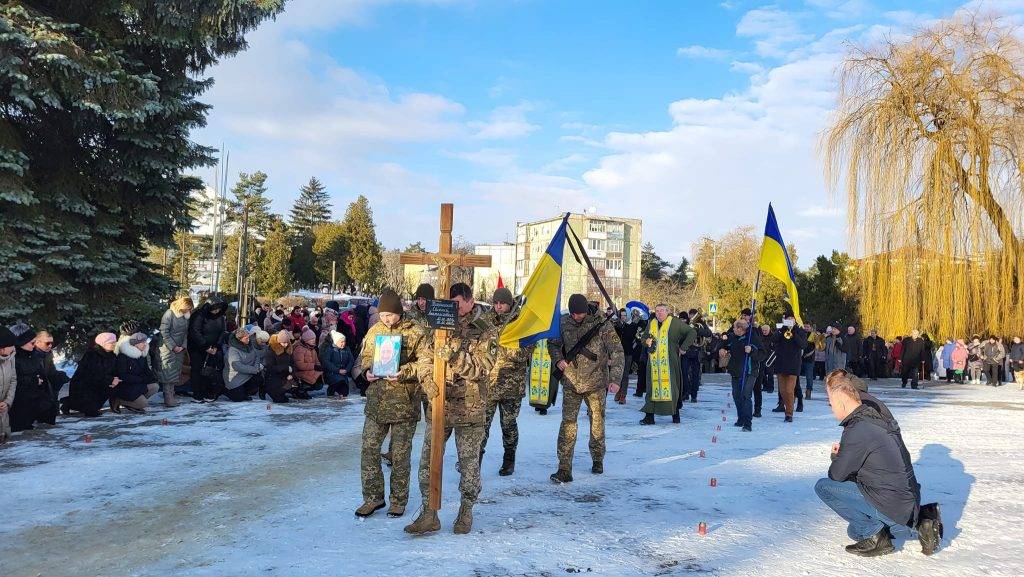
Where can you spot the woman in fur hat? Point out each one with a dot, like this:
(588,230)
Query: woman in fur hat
(137,381)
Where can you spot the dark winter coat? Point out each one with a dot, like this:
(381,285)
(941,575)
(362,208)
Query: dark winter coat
(31,396)
(735,345)
(1017,356)
(872,454)
(90,386)
(205,328)
(915,352)
(277,361)
(133,369)
(874,348)
(335,359)
(788,352)
(852,348)
(56,379)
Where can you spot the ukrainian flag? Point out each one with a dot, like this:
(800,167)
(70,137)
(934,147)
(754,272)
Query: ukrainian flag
(539,317)
(775,261)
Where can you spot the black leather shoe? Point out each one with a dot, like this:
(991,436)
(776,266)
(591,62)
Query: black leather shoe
(747,428)
(757,414)
(929,528)
(874,546)
(779,410)
(647,420)
(675,418)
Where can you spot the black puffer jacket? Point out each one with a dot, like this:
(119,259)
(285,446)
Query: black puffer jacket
(206,327)
(915,352)
(872,454)
(788,351)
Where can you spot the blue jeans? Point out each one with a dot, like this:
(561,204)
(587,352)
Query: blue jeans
(849,503)
(742,399)
(808,373)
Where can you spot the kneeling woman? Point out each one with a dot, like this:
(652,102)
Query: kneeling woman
(242,369)
(277,364)
(138,383)
(94,378)
(306,361)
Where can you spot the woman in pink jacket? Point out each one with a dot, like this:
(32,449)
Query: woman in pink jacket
(960,360)
(306,361)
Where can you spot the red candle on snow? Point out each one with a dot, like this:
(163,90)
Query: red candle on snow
(702,455)
(87,438)
(165,422)
(268,406)
(714,438)
(702,528)
(718,428)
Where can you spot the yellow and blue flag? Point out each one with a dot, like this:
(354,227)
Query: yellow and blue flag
(775,261)
(540,314)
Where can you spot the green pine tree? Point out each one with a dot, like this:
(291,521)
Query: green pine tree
(312,208)
(362,254)
(329,251)
(303,261)
(273,275)
(652,266)
(95,160)
(251,193)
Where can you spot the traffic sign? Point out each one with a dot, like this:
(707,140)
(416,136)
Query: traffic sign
(713,307)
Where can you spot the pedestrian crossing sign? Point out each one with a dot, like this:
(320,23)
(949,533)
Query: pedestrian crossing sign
(713,307)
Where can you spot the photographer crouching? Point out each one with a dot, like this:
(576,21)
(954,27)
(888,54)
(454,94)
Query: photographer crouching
(871,482)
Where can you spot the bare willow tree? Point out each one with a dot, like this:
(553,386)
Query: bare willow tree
(928,141)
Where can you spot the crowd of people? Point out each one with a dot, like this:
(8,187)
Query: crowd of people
(285,354)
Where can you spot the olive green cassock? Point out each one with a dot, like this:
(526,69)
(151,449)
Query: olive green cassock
(680,335)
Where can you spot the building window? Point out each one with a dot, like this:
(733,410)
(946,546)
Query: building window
(597,226)
(614,264)
(599,263)
(596,243)
(614,246)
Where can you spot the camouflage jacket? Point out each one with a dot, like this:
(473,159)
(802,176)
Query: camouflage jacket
(590,370)
(398,400)
(508,377)
(470,352)
(414,315)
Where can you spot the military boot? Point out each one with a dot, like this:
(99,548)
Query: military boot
(427,522)
(508,464)
(464,522)
(396,510)
(561,476)
(369,508)
(874,546)
(597,468)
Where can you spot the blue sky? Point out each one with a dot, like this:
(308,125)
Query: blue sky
(691,115)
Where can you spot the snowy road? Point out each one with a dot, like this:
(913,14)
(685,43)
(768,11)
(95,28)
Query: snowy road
(228,490)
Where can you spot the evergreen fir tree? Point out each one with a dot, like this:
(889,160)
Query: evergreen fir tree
(273,275)
(362,254)
(99,98)
(303,261)
(251,192)
(312,208)
(329,250)
(652,266)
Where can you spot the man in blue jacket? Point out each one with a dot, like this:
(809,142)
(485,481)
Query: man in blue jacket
(871,483)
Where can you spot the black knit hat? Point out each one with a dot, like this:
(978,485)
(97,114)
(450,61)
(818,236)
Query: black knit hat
(23,334)
(502,295)
(424,291)
(390,302)
(578,304)
(6,337)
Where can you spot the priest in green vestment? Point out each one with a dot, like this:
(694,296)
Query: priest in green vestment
(665,337)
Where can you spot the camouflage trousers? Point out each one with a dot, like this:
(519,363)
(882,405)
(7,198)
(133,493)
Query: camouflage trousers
(571,401)
(509,422)
(467,443)
(401,458)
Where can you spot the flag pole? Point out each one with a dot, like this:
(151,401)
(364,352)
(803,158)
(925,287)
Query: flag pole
(750,332)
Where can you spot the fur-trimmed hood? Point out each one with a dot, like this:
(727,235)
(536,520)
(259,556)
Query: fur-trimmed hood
(124,347)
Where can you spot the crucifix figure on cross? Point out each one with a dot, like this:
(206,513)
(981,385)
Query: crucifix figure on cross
(444,259)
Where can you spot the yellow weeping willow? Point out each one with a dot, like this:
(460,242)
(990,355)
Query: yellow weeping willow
(928,140)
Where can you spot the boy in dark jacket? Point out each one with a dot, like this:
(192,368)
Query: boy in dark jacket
(871,483)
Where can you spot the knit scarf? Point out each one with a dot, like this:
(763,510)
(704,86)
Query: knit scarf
(540,374)
(661,370)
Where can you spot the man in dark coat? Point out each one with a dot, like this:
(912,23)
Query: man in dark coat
(744,357)
(871,481)
(692,357)
(206,328)
(874,353)
(33,401)
(915,350)
(55,378)
(788,345)
(852,348)
(765,375)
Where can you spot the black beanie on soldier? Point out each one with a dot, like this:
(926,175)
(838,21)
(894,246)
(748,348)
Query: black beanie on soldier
(502,295)
(389,302)
(578,304)
(424,291)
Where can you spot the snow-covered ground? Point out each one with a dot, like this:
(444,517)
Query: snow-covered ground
(237,489)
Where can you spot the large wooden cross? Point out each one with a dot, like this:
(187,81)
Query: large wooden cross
(444,259)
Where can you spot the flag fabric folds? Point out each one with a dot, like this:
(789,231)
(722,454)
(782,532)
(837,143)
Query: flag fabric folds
(775,261)
(540,314)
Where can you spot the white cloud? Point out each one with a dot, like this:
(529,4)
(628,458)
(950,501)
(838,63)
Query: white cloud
(746,67)
(564,163)
(820,211)
(505,122)
(774,30)
(702,52)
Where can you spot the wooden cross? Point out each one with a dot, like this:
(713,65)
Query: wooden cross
(445,260)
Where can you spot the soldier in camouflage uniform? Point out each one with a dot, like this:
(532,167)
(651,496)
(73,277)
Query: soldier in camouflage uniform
(507,385)
(392,404)
(586,379)
(470,354)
